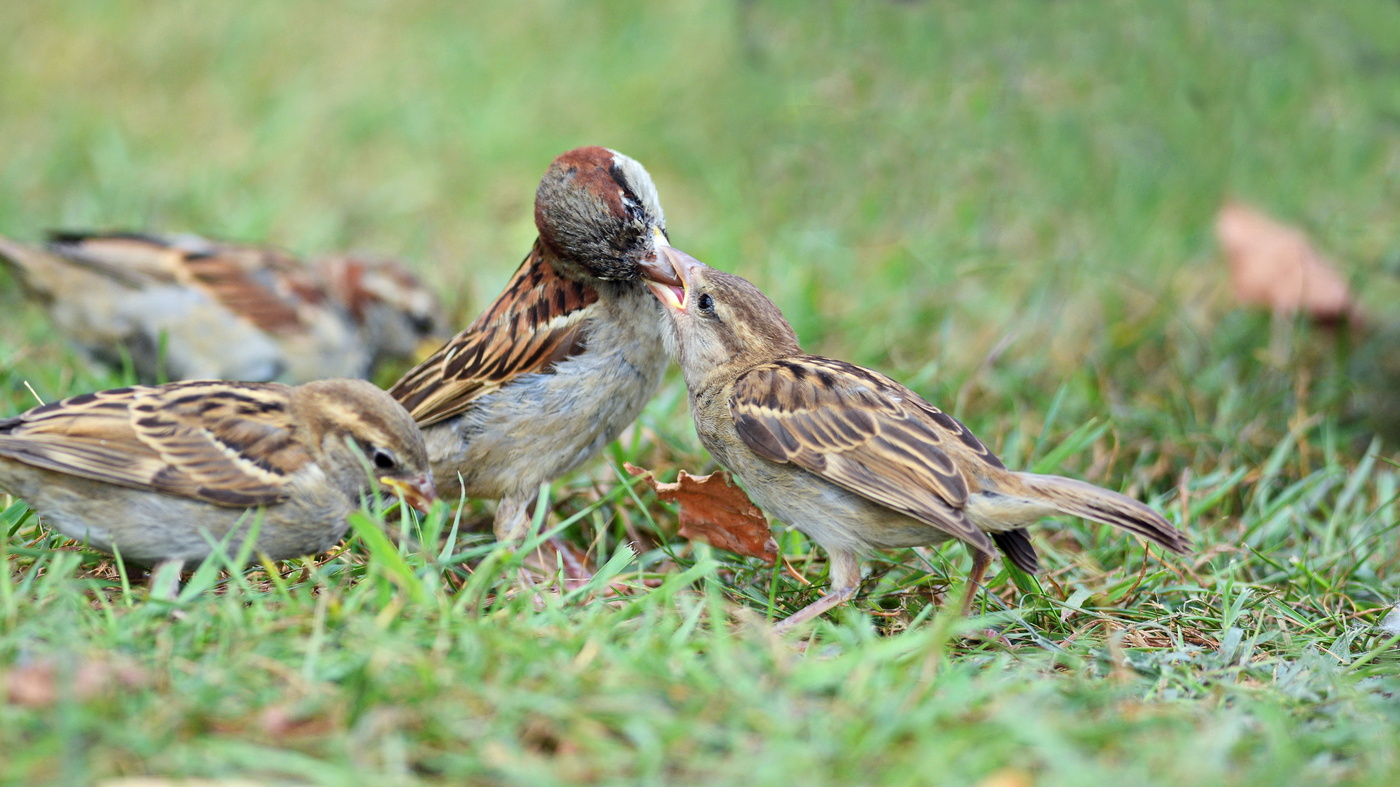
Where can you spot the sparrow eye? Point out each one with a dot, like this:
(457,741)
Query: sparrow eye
(384,460)
(705,302)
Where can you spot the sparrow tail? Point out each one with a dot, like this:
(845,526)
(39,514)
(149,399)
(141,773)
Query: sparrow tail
(1077,498)
(29,266)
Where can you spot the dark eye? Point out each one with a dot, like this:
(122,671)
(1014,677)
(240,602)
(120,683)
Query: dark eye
(705,302)
(384,460)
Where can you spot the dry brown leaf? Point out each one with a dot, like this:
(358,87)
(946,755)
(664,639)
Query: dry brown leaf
(1275,266)
(716,511)
(40,684)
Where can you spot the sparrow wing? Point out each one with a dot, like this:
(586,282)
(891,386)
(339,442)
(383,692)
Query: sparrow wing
(863,432)
(230,444)
(534,324)
(260,285)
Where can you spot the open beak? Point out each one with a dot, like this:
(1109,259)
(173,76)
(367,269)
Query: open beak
(659,269)
(671,288)
(417,492)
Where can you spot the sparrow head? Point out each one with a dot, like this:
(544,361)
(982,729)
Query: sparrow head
(598,209)
(720,322)
(350,424)
(397,313)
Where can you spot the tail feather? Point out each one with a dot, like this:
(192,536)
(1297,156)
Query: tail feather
(1077,498)
(15,254)
(32,267)
(1016,545)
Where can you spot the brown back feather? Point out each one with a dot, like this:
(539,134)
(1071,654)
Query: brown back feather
(862,432)
(185,439)
(534,324)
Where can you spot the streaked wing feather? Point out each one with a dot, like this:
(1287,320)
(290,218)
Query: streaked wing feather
(134,259)
(534,324)
(242,278)
(193,439)
(249,290)
(862,432)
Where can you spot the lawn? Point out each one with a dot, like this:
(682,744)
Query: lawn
(1006,205)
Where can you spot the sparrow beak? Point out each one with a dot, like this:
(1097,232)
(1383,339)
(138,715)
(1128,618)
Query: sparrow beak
(659,269)
(418,492)
(671,290)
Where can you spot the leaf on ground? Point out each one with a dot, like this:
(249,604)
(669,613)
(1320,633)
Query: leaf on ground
(40,684)
(1276,266)
(716,511)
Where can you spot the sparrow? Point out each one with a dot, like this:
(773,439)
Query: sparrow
(184,307)
(849,456)
(565,358)
(166,473)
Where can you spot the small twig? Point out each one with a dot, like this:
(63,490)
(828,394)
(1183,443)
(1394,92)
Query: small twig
(34,393)
(794,572)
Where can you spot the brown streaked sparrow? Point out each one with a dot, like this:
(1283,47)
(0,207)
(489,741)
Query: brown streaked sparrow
(165,473)
(184,307)
(565,358)
(848,456)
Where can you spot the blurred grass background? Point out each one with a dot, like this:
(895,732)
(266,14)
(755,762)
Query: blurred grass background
(1007,204)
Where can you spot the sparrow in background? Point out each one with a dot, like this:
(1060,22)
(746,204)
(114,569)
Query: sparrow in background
(184,307)
(565,358)
(848,456)
(165,473)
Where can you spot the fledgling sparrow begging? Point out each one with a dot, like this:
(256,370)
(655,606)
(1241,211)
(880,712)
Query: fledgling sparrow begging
(848,456)
(165,473)
(183,307)
(565,358)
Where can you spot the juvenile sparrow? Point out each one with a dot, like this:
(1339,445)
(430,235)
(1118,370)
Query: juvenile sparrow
(185,307)
(164,473)
(565,358)
(848,456)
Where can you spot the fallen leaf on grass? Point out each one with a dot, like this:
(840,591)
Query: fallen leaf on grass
(40,684)
(1276,266)
(716,511)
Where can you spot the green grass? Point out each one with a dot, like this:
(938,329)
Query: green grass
(1007,205)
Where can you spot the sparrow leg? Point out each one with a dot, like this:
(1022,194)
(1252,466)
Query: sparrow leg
(164,580)
(513,516)
(980,561)
(845,578)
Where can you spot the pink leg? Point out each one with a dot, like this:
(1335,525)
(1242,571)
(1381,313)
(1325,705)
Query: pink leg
(512,522)
(980,561)
(845,578)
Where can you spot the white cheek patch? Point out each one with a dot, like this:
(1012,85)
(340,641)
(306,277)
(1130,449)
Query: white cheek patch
(640,182)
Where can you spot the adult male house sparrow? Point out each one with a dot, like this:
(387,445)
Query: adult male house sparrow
(185,307)
(848,456)
(565,358)
(163,473)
